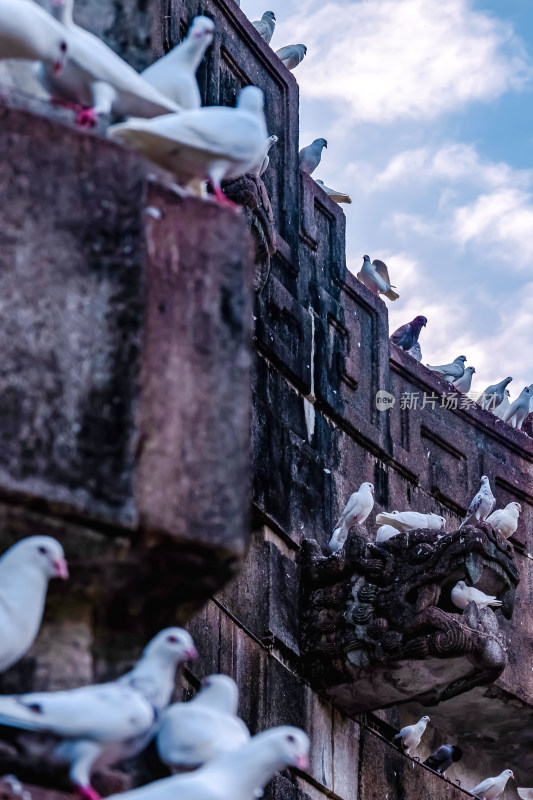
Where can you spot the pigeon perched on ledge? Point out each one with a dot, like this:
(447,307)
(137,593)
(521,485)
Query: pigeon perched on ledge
(355,511)
(464,384)
(492,788)
(518,411)
(494,395)
(412,734)
(386,532)
(265,26)
(239,775)
(193,733)
(262,165)
(500,410)
(174,75)
(29,32)
(405,521)
(462,595)
(505,520)
(310,156)
(481,506)
(102,724)
(337,197)
(443,758)
(450,372)
(25,570)
(406,336)
(375,277)
(291,55)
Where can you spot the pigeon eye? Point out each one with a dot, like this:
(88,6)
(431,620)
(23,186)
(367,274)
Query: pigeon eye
(63,47)
(291,738)
(172,639)
(43,551)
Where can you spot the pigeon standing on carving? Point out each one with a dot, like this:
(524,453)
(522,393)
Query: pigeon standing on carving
(214,143)
(291,55)
(262,164)
(505,520)
(375,277)
(100,725)
(265,26)
(337,197)
(25,570)
(499,410)
(174,75)
(494,395)
(464,384)
(406,336)
(193,733)
(450,372)
(462,595)
(95,80)
(411,735)
(481,506)
(355,511)
(310,156)
(386,532)
(28,31)
(239,775)
(518,411)
(405,521)
(443,758)
(492,788)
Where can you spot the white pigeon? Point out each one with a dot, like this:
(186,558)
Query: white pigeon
(386,532)
(265,26)
(28,31)
(518,411)
(174,75)
(405,521)
(25,570)
(292,54)
(525,794)
(309,157)
(464,384)
(239,775)
(337,197)
(491,788)
(411,734)
(95,80)
(375,277)
(481,506)
(450,372)
(193,733)
(355,511)
(462,595)
(102,724)
(262,164)
(212,143)
(505,520)
(494,395)
(499,410)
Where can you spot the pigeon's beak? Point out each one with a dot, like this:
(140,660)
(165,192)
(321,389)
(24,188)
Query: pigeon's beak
(191,653)
(302,762)
(60,568)
(372,491)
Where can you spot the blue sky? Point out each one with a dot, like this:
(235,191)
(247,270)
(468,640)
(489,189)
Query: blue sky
(427,107)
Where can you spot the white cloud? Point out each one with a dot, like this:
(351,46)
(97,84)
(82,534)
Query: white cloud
(414,59)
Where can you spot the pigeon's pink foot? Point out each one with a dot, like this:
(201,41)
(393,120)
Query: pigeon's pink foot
(222,199)
(86,118)
(88,793)
(58,101)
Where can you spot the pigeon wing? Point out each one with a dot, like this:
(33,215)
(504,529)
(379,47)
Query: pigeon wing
(381,269)
(483,787)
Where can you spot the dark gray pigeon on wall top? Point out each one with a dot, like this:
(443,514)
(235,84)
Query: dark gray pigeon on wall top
(443,757)
(407,335)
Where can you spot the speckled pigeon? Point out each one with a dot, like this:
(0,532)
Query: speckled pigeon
(482,504)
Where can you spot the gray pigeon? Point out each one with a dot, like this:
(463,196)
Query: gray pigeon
(464,384)
(481,506)
(501,409)
(407,335)
(443,757)
(451,371)
(375,276)
(518,411)
(310,156)
(493,395)
(265,26)
(292,55)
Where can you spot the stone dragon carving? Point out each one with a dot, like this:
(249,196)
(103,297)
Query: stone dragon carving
(378,624)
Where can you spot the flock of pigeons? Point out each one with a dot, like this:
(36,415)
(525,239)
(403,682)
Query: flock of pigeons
(100,725)
(494,398)
(505,522)
(159,111)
